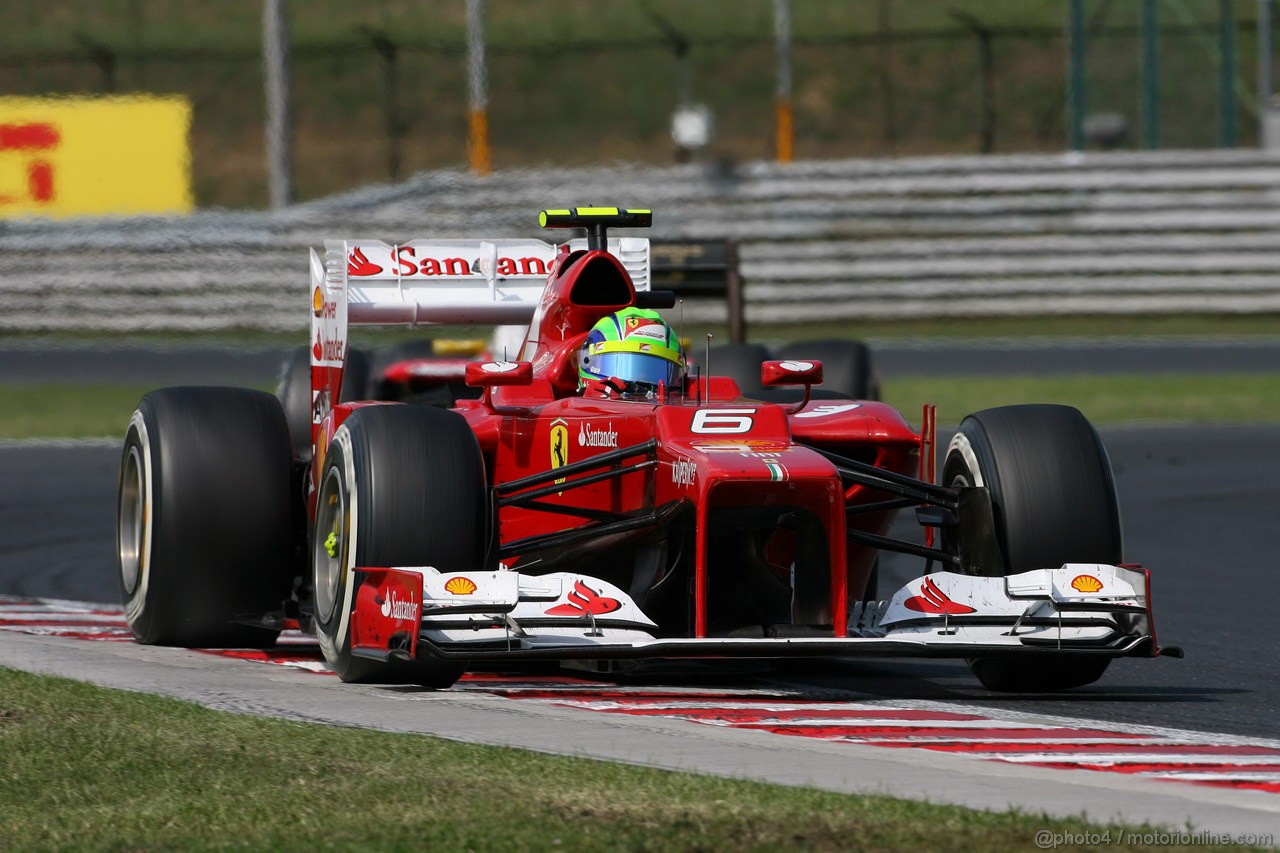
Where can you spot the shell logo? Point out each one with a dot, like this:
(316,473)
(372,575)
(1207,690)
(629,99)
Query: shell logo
(460,586)
(317,302)
(1086,583)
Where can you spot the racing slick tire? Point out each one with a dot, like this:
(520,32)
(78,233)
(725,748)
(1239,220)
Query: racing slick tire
(741,363)
(401,486)
(846,366)
(1054,501)
(204,518)
(294,392)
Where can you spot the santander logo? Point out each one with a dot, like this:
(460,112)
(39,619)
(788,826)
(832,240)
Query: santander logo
(359,265)
(584,600)
(325,349)
(933,600)
(399,608)
(588,437)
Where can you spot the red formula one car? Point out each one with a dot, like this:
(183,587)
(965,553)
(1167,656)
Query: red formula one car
(599,501)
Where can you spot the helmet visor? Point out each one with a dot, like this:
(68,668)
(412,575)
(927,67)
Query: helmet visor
(636,367)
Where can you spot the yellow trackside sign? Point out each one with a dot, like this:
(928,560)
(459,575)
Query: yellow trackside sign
(62,157)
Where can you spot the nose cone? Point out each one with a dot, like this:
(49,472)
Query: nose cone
(709,445)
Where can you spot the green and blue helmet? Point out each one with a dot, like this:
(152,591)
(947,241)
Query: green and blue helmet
(636,346)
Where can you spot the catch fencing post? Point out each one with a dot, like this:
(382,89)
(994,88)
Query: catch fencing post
(1149,104)
(1226,75)
(986,80)
(1264,71)
(1075,75)
(388,53)
(275,59)
(102,56)
(478,119)
(784,120)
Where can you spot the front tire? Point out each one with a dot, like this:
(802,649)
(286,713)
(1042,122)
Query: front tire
(1054,501)
(204,517)
(401,486)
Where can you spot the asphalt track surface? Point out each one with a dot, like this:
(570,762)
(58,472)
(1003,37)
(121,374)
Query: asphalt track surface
(1201,508)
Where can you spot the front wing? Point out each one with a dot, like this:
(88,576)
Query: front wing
(1090,609)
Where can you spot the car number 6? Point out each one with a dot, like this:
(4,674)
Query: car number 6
(722,420)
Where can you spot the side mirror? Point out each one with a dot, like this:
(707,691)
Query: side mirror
(774,374)
(488,374)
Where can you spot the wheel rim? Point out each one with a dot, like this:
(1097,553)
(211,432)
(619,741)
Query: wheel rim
(329,548)
(969,472)
(133,512)
(962,471)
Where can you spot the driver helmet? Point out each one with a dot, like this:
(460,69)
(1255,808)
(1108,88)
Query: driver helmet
(636,347)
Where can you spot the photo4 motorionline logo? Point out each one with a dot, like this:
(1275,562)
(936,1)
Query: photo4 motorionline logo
(1048,840)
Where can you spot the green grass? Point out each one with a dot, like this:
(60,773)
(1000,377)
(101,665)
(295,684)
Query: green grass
(1082,326)
(68,411)
(83,411)
(1209,398)
(86,768)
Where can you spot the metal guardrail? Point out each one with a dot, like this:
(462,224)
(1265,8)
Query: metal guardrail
(818,241)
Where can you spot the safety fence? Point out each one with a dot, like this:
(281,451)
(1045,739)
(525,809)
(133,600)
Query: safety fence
(380,90)
(818,241)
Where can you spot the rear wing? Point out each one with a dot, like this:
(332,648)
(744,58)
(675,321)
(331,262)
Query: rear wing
(369,282)
(453,281)
(492,282)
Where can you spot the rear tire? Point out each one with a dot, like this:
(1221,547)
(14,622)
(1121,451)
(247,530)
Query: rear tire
(846,366)
(294,392)
(401,486)
(1054,501)
(204,517)
(846,369)
(741,363)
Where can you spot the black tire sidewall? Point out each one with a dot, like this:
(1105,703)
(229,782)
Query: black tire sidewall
(333,630)
(219,539)
(1050,481)
(846,366)
(355,377)
(1054,501)
(294,392)
(741,363)
(415,489)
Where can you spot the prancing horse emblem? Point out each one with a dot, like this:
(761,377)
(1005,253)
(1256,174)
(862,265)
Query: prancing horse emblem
(559,445)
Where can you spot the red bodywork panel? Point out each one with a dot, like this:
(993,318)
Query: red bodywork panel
(387,606)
